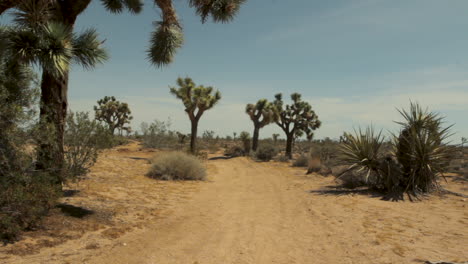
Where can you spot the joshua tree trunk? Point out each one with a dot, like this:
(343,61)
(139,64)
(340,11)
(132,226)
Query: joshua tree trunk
(255,138)
(54,100)
(53,111)
(289,142)
(193,136)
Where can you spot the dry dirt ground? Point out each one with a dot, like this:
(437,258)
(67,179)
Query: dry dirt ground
(246,212)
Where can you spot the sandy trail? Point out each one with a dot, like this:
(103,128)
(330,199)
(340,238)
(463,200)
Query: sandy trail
(262,213)
(250,212)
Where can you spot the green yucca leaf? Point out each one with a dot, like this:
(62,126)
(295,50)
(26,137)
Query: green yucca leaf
(421,148)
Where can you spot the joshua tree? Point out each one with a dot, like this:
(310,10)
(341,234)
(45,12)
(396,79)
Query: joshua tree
(56,20)
(275,137)
(262,113)
(37,39)
(196,99)
(295,119)
(114,113)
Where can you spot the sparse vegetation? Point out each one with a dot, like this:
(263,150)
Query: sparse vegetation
(266,152)
(246,142)
(301,161)
(177,166)
(84,138)
(159,135)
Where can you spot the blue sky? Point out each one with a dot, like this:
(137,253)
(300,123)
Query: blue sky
(355,61)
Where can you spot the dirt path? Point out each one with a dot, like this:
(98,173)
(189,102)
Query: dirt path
(249,212)
(258,213)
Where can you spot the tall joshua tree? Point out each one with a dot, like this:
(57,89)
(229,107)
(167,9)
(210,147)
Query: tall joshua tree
(295,119)
(262,113)
(196,99)
(53,46)
(58,18)
(114,113)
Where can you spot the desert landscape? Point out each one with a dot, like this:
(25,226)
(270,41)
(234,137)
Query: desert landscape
(233,132)
(245,212)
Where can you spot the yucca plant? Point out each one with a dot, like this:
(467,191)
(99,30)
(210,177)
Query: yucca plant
(421,150)
(420,154)
(362,152)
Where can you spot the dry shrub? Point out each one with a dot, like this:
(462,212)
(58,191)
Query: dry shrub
(352,179)
(282,158)
(177,166)
(266,152)
(234,151)
(301,161)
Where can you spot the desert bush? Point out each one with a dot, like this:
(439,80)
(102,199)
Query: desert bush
(301,161)
(25,194)
(281,158)
(246,141)
(159,135)
(352,179)
(419,157)
(24,202)
(84,138)
(266,152)
(234,151)
(326,150)
(177,166)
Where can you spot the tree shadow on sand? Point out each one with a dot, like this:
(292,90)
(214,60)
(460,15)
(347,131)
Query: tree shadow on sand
(74,211)
(221,158)
(339,190)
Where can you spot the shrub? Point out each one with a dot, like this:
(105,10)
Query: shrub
(352,179)
(420,155)
(234,151)
(246,141)
(266,152)
(24,202)
(282,158)
(81,149)
(177,166)
(159,135)
(25,195)
(301,161)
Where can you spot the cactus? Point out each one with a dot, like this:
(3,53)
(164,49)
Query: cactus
(295,119)
(114,113)
(196,99)
(262,113)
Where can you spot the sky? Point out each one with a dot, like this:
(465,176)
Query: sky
(355,61)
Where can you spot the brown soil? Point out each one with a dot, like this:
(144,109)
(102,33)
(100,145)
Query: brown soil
(246,212)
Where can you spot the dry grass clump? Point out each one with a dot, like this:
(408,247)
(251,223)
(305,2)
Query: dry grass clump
(177,166)
(301,161)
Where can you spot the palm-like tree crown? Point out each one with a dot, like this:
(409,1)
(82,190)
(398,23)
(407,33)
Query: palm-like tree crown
(262,113)
(195,97)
